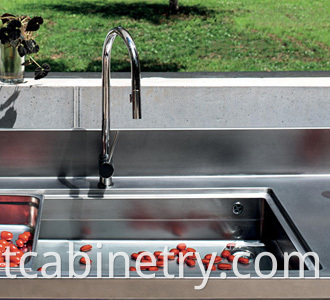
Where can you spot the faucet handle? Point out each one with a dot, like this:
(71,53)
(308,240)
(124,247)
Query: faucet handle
(105,167)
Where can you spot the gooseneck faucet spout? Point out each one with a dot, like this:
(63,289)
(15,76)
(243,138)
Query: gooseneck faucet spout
(105,162)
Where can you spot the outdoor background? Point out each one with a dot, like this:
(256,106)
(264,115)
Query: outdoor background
(205,35)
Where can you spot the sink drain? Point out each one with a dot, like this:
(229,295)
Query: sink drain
(237,208)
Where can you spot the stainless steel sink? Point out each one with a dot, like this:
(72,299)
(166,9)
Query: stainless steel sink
(19,213)
(149,219)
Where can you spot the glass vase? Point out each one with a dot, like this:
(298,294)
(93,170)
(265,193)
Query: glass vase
(11,68)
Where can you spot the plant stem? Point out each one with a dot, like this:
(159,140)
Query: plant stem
(35,61)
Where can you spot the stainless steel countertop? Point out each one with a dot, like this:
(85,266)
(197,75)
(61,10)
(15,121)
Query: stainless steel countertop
(306,198)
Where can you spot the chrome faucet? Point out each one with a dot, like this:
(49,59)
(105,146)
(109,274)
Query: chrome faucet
(105,161)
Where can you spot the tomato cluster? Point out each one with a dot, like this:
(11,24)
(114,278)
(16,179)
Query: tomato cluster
(190,260)
(18,249)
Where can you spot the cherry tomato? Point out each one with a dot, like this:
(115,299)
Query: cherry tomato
(224,266)
(192,256)
(13,248)
(6,235)
(191,250)
(217,259)
(147,258)
(15,260)
(24,237)
(4,242)
(29,234)
(153,268)
(134,256)
(13,265)
(19,243)
(2,265)
(244,260)
(208,256)
(175,251)
(132,269)
(179,259)
(84,261)
(190,262)
(225,253)
(231,258)
(86,248)
(181,246)
(157,253)
(19,253)
(205,261)
(160,263)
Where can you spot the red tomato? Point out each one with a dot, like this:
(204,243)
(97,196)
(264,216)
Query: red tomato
(4,242)
(86,248)
(190,262)
(175,251)
(134,256)
(180,260)
(19,253)
(29,234)
(244,260)
(15,259)
(84,261)
(13,248)
(160,263)
(181,246)
(13,265)
(208,256)
(157,253)
(6,235)
(224,266)
(19,243)
(225,253)
(146,258)
(191,250)
(217,259)
(231,258)
(24,237)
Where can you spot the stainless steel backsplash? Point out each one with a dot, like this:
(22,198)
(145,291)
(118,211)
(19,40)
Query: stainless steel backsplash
(166,152)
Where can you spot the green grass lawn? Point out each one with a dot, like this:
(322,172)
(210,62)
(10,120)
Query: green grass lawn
(206,35)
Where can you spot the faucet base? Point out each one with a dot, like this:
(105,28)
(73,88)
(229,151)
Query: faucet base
(105,183)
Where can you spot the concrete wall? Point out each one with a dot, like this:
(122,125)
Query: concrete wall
(64,103)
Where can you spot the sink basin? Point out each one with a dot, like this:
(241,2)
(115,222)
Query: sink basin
(20,213)
(149,220)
